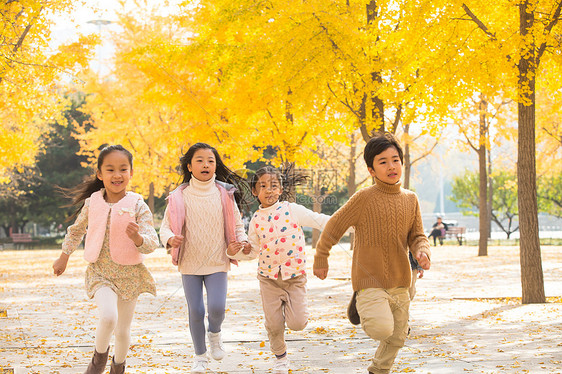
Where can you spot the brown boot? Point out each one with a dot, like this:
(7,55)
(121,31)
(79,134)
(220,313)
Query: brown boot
(117,368)
(97,365)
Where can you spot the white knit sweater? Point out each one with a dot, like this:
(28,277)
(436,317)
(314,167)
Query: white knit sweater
(204,250)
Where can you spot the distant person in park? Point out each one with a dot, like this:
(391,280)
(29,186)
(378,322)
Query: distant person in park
(202,219)
(439,230)
(388,223)
(119,229)
(276,236)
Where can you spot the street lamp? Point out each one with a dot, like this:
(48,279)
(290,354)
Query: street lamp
(99,23)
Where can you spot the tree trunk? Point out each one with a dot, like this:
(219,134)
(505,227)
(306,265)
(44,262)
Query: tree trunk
(484,225)
(377,111)
(483,222)
(151,197)
(407,164)
(490,188)
(289,108)
(532,282)
(289,156)
(316,207)
(351,184)
(372,106)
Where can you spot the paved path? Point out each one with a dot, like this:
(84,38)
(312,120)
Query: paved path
(465,318)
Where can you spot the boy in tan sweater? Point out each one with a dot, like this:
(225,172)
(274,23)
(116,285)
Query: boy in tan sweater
(388,223)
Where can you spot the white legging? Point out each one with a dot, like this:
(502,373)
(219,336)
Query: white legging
(116,315)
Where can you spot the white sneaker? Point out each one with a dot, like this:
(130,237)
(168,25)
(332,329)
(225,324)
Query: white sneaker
(200,364)
(281,366)
(215,342)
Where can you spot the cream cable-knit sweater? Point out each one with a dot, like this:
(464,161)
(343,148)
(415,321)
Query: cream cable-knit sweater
(205,249)
(387,221)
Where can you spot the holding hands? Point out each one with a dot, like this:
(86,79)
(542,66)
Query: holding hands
(175,241)
(235,247)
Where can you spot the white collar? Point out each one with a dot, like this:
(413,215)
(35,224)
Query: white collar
(201,188)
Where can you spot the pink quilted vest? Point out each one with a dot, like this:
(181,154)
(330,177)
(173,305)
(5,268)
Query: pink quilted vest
(122,249)
(176,211)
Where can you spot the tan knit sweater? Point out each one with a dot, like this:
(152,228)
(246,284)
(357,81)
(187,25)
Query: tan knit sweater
(387,221)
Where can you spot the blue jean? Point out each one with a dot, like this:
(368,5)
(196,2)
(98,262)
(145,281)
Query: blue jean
(216,285)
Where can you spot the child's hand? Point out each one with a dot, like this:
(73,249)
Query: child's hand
(132,231)
(234,248)
(59,266)
(423,260)
(420,274)
(247,248)
(321,273)
(175,241)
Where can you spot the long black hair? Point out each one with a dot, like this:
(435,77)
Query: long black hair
(85,189)
(288,178)
(222,172)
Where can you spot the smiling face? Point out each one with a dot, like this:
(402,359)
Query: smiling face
(203,164)
(387,166)
(267,190)
(115,172)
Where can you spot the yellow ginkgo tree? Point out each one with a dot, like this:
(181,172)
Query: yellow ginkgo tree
(263,59)
(31,94)
(156,102)
(524,36)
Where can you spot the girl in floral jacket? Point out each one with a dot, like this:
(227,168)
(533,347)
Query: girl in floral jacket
(276,237)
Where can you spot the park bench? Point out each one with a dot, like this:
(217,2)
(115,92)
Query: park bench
(20,239)
(456,232)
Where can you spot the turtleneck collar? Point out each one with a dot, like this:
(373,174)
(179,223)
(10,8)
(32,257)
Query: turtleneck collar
(201,188)
(387,188)
(271,207)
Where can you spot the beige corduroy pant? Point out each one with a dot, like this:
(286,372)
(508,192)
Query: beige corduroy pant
(384,316)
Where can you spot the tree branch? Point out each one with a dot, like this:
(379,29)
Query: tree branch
(398,115)
(499,106)
(425,154)
(548,29)
(479,23)
(273,120)
(554,136)
(24,33)
(363,181)
(468,139)
(498,222)
(343,102)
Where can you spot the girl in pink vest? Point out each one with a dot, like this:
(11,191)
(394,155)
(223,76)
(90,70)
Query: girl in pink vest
(119,230)
(276,236)
(201,220)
